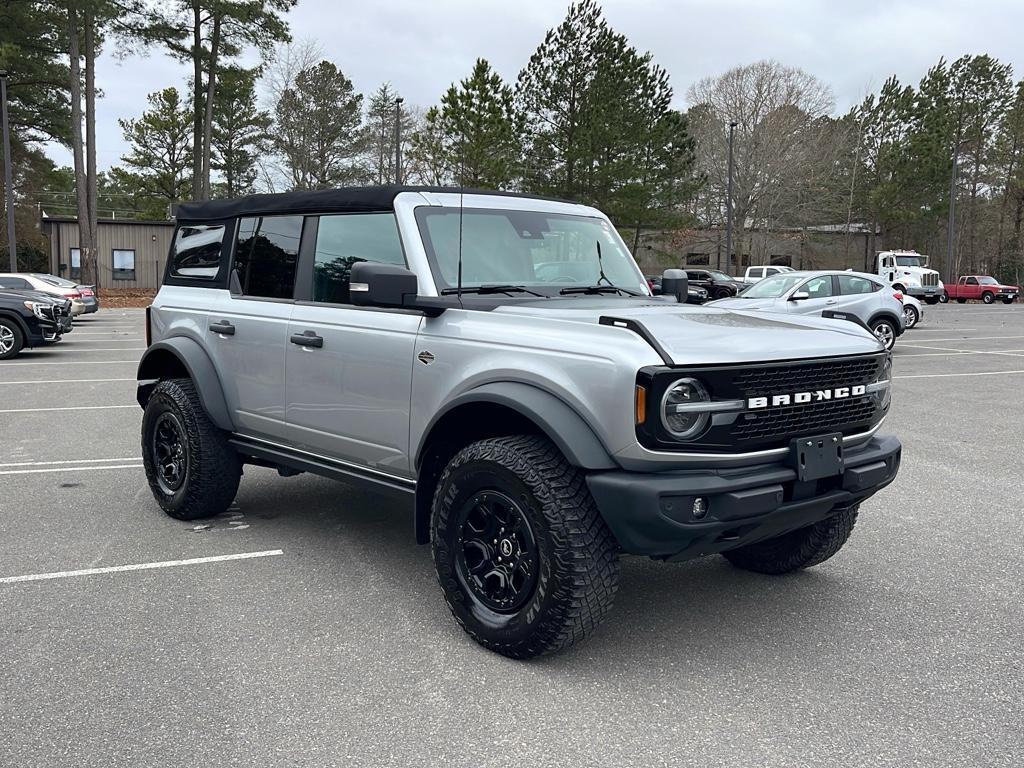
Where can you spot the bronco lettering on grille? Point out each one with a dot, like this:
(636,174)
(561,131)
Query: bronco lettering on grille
(801,398)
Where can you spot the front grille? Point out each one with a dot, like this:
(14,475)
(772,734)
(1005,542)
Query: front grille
(798,420)
(930,278)
(803,377)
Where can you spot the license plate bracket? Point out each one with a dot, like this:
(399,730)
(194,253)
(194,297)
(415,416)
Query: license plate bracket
(817,457)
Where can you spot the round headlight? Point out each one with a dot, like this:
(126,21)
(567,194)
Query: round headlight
(680,410)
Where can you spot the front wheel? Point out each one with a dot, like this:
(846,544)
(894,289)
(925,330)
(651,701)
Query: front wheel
(797,549)
(11,339)
(192,470)
(944,299)
(933,300)
(525,561)
(987,297)
(910,316)
(1008,301)
(885,332)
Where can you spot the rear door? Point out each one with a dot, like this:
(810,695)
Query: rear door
(349,369)
(248,327)
(858,296)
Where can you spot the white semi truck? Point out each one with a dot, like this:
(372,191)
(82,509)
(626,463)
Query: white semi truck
(908,272)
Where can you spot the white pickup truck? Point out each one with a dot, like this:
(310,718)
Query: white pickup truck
(753,274)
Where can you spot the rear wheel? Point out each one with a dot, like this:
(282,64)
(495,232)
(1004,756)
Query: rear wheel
(910,316)
(885,332)
(11,339)
(798,549)
(192,470)
(987,297)
(961,301)
(525,561)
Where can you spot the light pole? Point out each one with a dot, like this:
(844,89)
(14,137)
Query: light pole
(728,204)
(398,140)
(8,173)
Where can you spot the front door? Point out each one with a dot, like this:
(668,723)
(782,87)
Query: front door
(247,329)
(821,296)
(349,369)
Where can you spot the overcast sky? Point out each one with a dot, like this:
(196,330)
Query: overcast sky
(422,47)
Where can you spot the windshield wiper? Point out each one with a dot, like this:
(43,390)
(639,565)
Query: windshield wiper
(483,290)
(599,289)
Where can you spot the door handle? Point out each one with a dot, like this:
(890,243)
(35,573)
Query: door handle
(224,328)
(832,301)
(307,339)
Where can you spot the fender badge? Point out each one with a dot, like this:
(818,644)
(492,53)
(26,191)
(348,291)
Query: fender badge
(425,357)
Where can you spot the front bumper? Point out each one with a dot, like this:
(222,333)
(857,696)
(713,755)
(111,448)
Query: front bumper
(923,291)
(652,513)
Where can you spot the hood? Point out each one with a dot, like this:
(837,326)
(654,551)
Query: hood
(691,335)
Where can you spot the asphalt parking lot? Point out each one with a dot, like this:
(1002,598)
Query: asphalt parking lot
(330,644)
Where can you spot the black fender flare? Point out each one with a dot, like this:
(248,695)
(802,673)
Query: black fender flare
(200,369)
(558,420)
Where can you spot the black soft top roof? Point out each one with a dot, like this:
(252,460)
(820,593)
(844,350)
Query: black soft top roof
(340,200)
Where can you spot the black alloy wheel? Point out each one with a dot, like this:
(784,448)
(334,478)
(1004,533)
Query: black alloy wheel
(498,561)
(170,452)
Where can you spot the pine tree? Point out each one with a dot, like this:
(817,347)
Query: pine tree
(239,131)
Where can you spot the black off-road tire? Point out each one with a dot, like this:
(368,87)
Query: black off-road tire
(797,549)
(212,467)
(988,297)
(17,343)
(577,556)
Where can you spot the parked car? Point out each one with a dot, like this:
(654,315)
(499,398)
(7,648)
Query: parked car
(913,312)
(694,294)
(753,274)
(534,428)
(89,298)
(865,297)
(980,287)
(718,284)
(31,319)
(24,281)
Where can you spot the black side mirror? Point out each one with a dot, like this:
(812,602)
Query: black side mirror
(675,283)
(388,285)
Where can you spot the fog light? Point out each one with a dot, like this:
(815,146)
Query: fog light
(700,507)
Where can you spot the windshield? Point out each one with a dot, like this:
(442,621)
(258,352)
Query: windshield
(525,248)
(912,261)
(988,281)
(772,287)
(718,275)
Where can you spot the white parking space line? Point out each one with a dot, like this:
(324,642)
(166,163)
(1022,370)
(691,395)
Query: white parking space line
(947,350)
(68,469)
(139,566)
(951,329)
(108,349)
(67,408)
(71,362)
(954,375)
(63,381)
(964,338)
(66,461)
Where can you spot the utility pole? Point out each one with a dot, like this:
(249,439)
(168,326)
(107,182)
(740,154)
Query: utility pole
(398,140)
(8,173)
(951,228)
(728,204)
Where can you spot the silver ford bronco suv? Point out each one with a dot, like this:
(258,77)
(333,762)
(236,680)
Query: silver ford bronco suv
(497,363)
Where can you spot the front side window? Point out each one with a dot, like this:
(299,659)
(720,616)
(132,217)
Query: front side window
(197,251)
(818,287)
(548,252)
(850,285)
(343,240)
(76,263)
(124,264)
(265,255)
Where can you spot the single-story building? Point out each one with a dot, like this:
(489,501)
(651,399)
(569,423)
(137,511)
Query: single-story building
(131,252)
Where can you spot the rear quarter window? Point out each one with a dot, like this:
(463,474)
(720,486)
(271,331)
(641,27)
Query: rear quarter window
(197,250)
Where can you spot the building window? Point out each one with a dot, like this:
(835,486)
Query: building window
(124,264)
(76,264)
(698,259)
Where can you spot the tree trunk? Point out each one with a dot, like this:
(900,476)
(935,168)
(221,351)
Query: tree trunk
(211,86)
(197,101)
(92,275)
(75,87)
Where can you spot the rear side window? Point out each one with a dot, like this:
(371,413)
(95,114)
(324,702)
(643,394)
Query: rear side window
(196,254)
(15,283)
(341,241)
(266,254)
(851,285)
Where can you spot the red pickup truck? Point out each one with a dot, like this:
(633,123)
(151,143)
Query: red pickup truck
(982,287)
